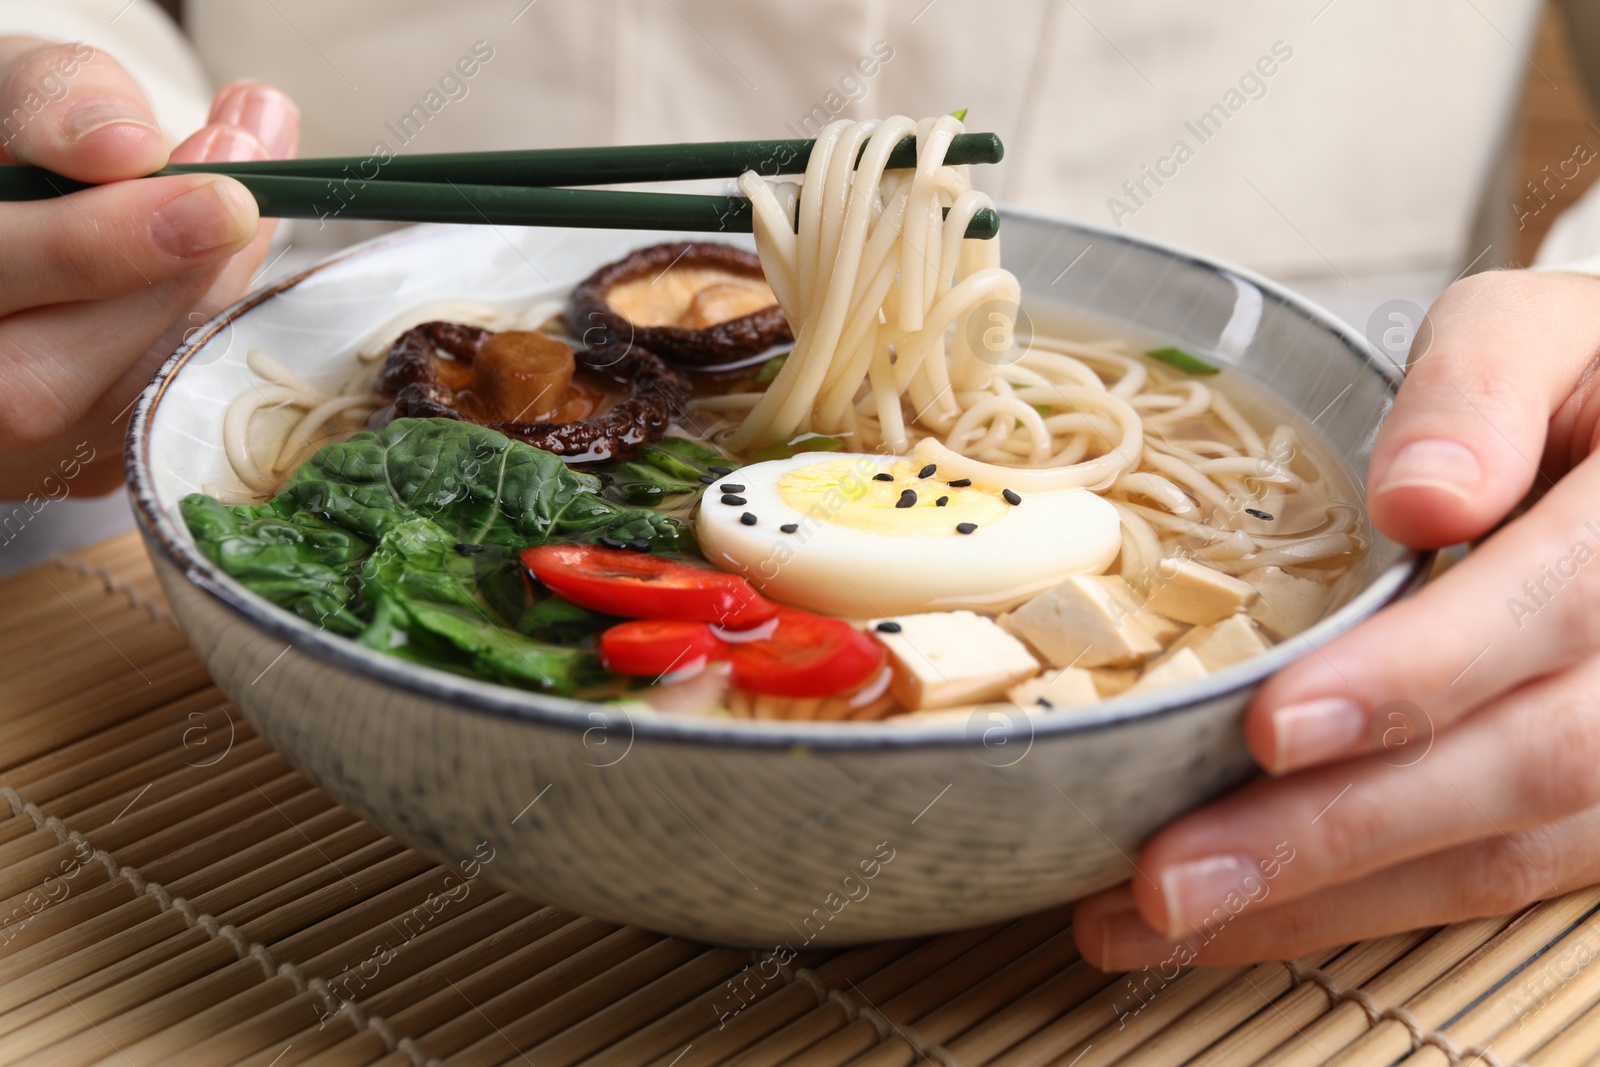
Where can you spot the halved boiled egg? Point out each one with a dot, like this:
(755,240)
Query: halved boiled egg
(864,536)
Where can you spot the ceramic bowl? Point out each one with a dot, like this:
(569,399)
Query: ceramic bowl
(754,833)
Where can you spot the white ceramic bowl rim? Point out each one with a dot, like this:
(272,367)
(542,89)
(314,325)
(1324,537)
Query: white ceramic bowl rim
(169,537)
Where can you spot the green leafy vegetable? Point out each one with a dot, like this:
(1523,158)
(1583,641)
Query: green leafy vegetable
(479,485)
(296,560)
(501,654)
(466,641)
(417,559)
(505,585)
(1177,357)
(366,539)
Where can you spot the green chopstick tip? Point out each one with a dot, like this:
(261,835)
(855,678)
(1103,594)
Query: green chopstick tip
(985,225)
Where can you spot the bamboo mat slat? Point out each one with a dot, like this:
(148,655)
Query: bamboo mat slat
(172,892)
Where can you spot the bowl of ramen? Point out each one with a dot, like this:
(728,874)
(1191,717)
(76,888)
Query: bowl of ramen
(846,583)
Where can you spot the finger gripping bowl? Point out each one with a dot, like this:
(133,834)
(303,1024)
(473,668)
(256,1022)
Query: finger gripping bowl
(755,833)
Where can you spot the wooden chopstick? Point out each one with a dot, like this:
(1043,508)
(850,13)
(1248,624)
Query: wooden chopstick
(450,201)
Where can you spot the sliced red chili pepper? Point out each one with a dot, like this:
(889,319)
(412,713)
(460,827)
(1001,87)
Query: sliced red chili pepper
(806,656)
(653,647)
(641,586)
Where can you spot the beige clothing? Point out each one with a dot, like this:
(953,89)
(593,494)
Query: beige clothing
(1303,139)
(1366,150)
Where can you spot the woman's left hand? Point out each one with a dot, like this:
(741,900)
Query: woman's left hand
(99,286)
(1441,761)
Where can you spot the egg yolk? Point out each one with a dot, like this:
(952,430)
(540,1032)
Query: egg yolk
(844,492)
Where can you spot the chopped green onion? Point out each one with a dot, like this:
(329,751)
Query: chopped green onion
(959,116)
(666,468)
(683,458)
(1042,409)
(769,370)
(806,442)
(1177,357)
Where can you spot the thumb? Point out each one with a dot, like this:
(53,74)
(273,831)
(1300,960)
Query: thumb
(1501,354)
(74,110)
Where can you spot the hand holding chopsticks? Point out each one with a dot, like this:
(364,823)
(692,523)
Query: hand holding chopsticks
(519,188)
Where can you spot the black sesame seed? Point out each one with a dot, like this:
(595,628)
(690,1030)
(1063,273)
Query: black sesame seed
(908,499)
(1262,515)
(1011,498)
(941,502)
(612,542)
(748,519)
(729,498)
(959,483)
(720,471)
(887,627)
(927,472)
(731,488)
(706,479)
(789,527)
(469,550)
(966,527)
(883,476)
(640,546)
(1045,704)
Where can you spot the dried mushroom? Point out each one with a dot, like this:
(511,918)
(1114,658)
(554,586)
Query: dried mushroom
(587,406)
(699,304)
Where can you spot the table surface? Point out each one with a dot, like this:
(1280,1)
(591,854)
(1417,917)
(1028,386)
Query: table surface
(171,891)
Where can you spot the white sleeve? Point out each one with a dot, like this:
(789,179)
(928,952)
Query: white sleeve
(140,36)
(1573,243)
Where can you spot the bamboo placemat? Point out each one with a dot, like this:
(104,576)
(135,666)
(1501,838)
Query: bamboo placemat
(172,892)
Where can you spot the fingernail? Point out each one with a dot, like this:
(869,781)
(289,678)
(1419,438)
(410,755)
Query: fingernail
(1127,944)
(265,112)
(1316,730)
(1433,464)
(231,145)
(211,216)
(1195,889)
(90,118)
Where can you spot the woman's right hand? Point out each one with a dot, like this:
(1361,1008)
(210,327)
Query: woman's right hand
(96,288)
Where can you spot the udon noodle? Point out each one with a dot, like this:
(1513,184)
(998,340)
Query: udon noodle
(904,343)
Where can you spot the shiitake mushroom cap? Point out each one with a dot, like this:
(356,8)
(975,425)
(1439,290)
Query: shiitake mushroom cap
(651,392)
(591,317)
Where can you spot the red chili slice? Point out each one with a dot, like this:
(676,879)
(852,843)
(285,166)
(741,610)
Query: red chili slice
(806,656)
(653,647)
(641,586)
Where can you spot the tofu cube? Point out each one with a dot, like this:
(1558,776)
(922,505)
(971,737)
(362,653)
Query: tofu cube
(1084,622)
(1163,629)
(1182,666)
(1286,605)
(945,658)
(1158,626)
(1222,644)
(1194,593)
(1111,681)
(1069,687)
